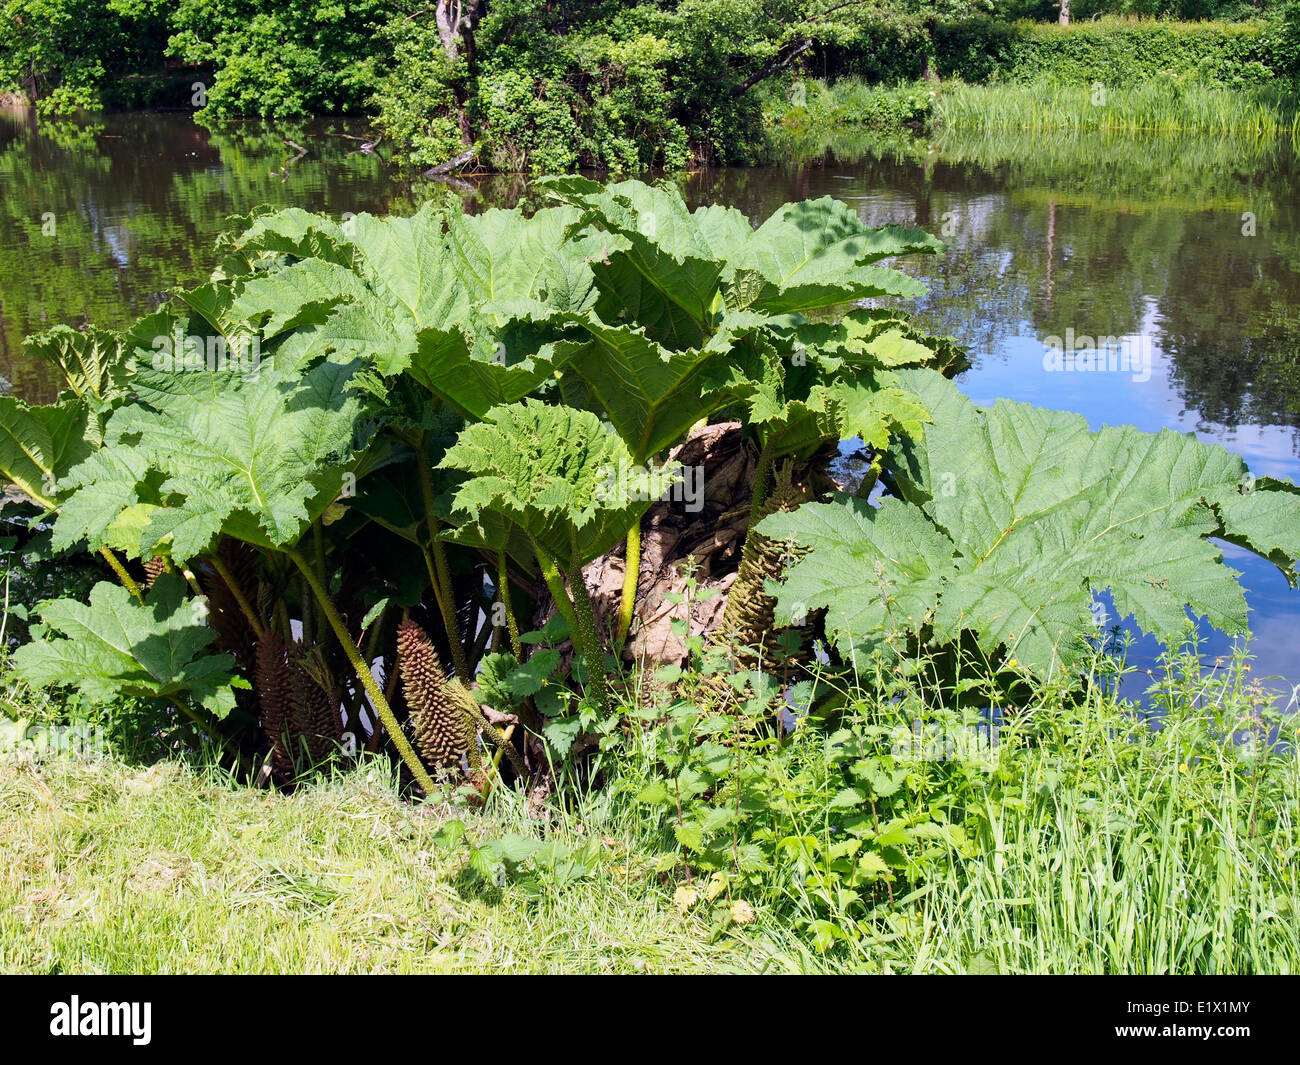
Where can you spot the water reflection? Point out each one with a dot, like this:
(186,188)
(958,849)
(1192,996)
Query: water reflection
(1190,248)
(1185,252)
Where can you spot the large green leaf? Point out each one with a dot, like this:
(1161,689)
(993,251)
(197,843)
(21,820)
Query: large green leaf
(513,265)
(806,385)
(554,473)
(92,362)
(116,646)
(1013,518)
(444,363)
(467,301)
(652,240)
(40,445)
(257,459)
(303,293)
(650,395)
(818,253)
(273,238)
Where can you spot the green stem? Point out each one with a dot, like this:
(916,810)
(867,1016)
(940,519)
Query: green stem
(363,673)
(501,740)
(241,600)
(440,572)
(591,647)
(186,573)
(318,546)
(503,591)
(631,572)
(551,574)
(128,582)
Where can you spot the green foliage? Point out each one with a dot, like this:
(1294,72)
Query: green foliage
(1173,106)
(68,54)
(256,460)
(547,471)
(444,400)
(116,646)
(310,403)
(890,833)
(31,572)
(1008,522)
(284,57)
(415,101)
(827,814)
(40,445)
(1117,53)
(1114,51)
(803,107)
(622,87)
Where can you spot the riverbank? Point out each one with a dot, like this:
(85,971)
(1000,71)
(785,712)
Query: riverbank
(630,87)
(1173,105)
(1072,838)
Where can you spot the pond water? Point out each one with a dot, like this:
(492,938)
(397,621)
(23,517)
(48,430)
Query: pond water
(1179,259)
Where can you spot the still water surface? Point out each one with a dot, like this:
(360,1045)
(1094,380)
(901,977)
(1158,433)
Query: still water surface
(1186,253)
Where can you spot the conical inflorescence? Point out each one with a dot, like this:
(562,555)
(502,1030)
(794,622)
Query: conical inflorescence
(439,726)
(749,619)
(300,717)
(275,700)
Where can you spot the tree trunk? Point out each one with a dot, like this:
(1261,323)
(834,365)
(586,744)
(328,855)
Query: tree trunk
(1065,12)
(786,55)
(457,20)
(446,16)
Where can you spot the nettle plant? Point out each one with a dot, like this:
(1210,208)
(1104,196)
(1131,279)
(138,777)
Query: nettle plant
(330,480)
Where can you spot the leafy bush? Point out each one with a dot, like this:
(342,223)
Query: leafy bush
(68,54)
(324,458)
(804,106)
(285,58)
(610,86)
(1117,53)
(287,437)
(1114,51)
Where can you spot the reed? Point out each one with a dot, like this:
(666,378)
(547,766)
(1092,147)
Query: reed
(1167,105)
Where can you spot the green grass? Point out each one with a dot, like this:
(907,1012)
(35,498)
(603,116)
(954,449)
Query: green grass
(1113,848)
(1156,106)
(116,869)
(1089,842)
(805,116)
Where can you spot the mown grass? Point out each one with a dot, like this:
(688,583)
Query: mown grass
(1091,842)
(109,868)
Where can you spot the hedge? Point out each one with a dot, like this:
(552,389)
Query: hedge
(1114,51)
